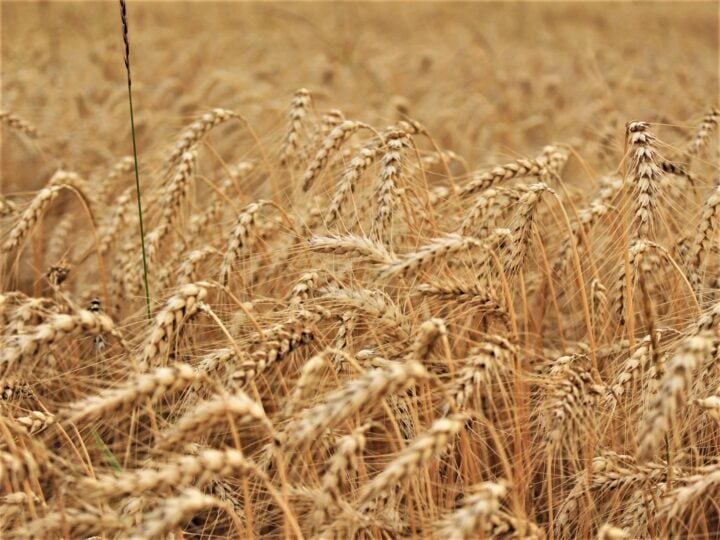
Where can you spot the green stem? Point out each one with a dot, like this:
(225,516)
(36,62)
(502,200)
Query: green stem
(137,185)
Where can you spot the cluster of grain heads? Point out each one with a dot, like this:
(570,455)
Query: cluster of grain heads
(665,405)
(332,143)
(171,203)
(74,523)
(331,119)
(14,504)
(120,217)
(173,512)
(573,407)
(303,288)
(186,470)
(188,270)
(308,381)
(72,180)
(344,461)
(587,218)
(38,206)
(351,245)
(488,208)
(709,320)
(20,465)
(438,250)
(644,174)
(175,193)
(371,303)
(278,342)
(298,111)
(700,141)
(479,374)
(36,340)
(240,238)
(698,488)
(169,321)
(633,369)
(610,472)
(522,225)
(122,167)
(475,514)
(237,408)
(36,421)
(465,293)
(328,387)
(18,124)
(629,271)
(420,451)
(677,170)
(365,157)
(428,333)
(219,360)
(556,158)
(152,385)
(386,191)
(30,217)
(365,391)
(502,173)
(197,130)
(703,239)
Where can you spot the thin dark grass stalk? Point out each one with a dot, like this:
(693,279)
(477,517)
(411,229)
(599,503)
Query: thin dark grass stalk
(126,40)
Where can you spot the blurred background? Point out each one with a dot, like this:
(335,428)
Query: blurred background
(491,81)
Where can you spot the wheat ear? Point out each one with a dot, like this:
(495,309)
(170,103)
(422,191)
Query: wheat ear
(672,393)
(482,502)
(368,389)
(154,385)
(645,177)
(298,110)
(415,456)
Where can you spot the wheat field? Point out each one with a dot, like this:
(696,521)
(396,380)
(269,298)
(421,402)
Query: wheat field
(414,270)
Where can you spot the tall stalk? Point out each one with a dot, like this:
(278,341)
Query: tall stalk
(123,17)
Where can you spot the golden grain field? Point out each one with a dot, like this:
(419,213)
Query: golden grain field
(414,270)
